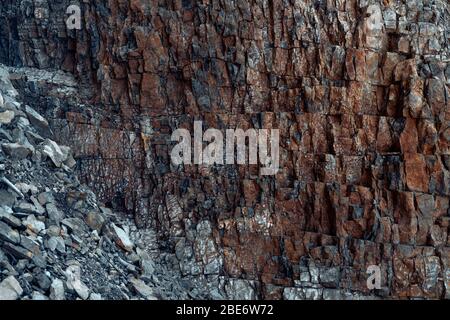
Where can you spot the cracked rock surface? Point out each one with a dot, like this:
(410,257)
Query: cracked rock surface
(56,240)
(358,88)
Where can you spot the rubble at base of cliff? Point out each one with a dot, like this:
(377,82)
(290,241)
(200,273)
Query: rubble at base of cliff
(56,241)
(358,88)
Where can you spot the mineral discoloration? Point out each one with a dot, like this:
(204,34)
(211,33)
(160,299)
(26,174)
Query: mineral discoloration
(359,90)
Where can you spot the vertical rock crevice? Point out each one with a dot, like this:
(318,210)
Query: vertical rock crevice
(359,90)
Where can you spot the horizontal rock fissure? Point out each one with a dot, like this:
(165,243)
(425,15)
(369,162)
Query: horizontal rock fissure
(358,89)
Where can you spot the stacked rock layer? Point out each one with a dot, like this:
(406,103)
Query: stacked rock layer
(359,90)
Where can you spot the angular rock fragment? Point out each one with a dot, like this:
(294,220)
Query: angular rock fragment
(52,150)
(30,245)
(37,296)
(56,243)
(10,289)
(10,219)
(43,281)
(5,135)
(8,234)
(57,291)
(122,238)
(239,289)
(39,122)
(45,198)
(17,251)
(76,225)
(144,290)
(54,214)
(7,116)
(34,224)
(17,151)
(95,221)
(73,274)
(28,208)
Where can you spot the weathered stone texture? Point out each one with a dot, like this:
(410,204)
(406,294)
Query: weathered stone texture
(359,90)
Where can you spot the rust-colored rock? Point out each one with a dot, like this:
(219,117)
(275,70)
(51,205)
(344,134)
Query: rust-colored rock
(358,89)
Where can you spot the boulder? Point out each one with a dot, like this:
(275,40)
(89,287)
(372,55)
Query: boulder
(8,234)
(52,150)
(34,225)
(39,122)
(57,291)
(6,117)
(95,221)
(122,238)
(10,289)
(74,283)
(144,290)
(17,151)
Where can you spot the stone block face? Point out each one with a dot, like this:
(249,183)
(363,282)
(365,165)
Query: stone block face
(358,89)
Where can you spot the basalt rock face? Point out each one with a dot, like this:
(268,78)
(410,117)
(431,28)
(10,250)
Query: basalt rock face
(359,90)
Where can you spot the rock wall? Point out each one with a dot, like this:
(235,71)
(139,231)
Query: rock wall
(359,90)
(56,240)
